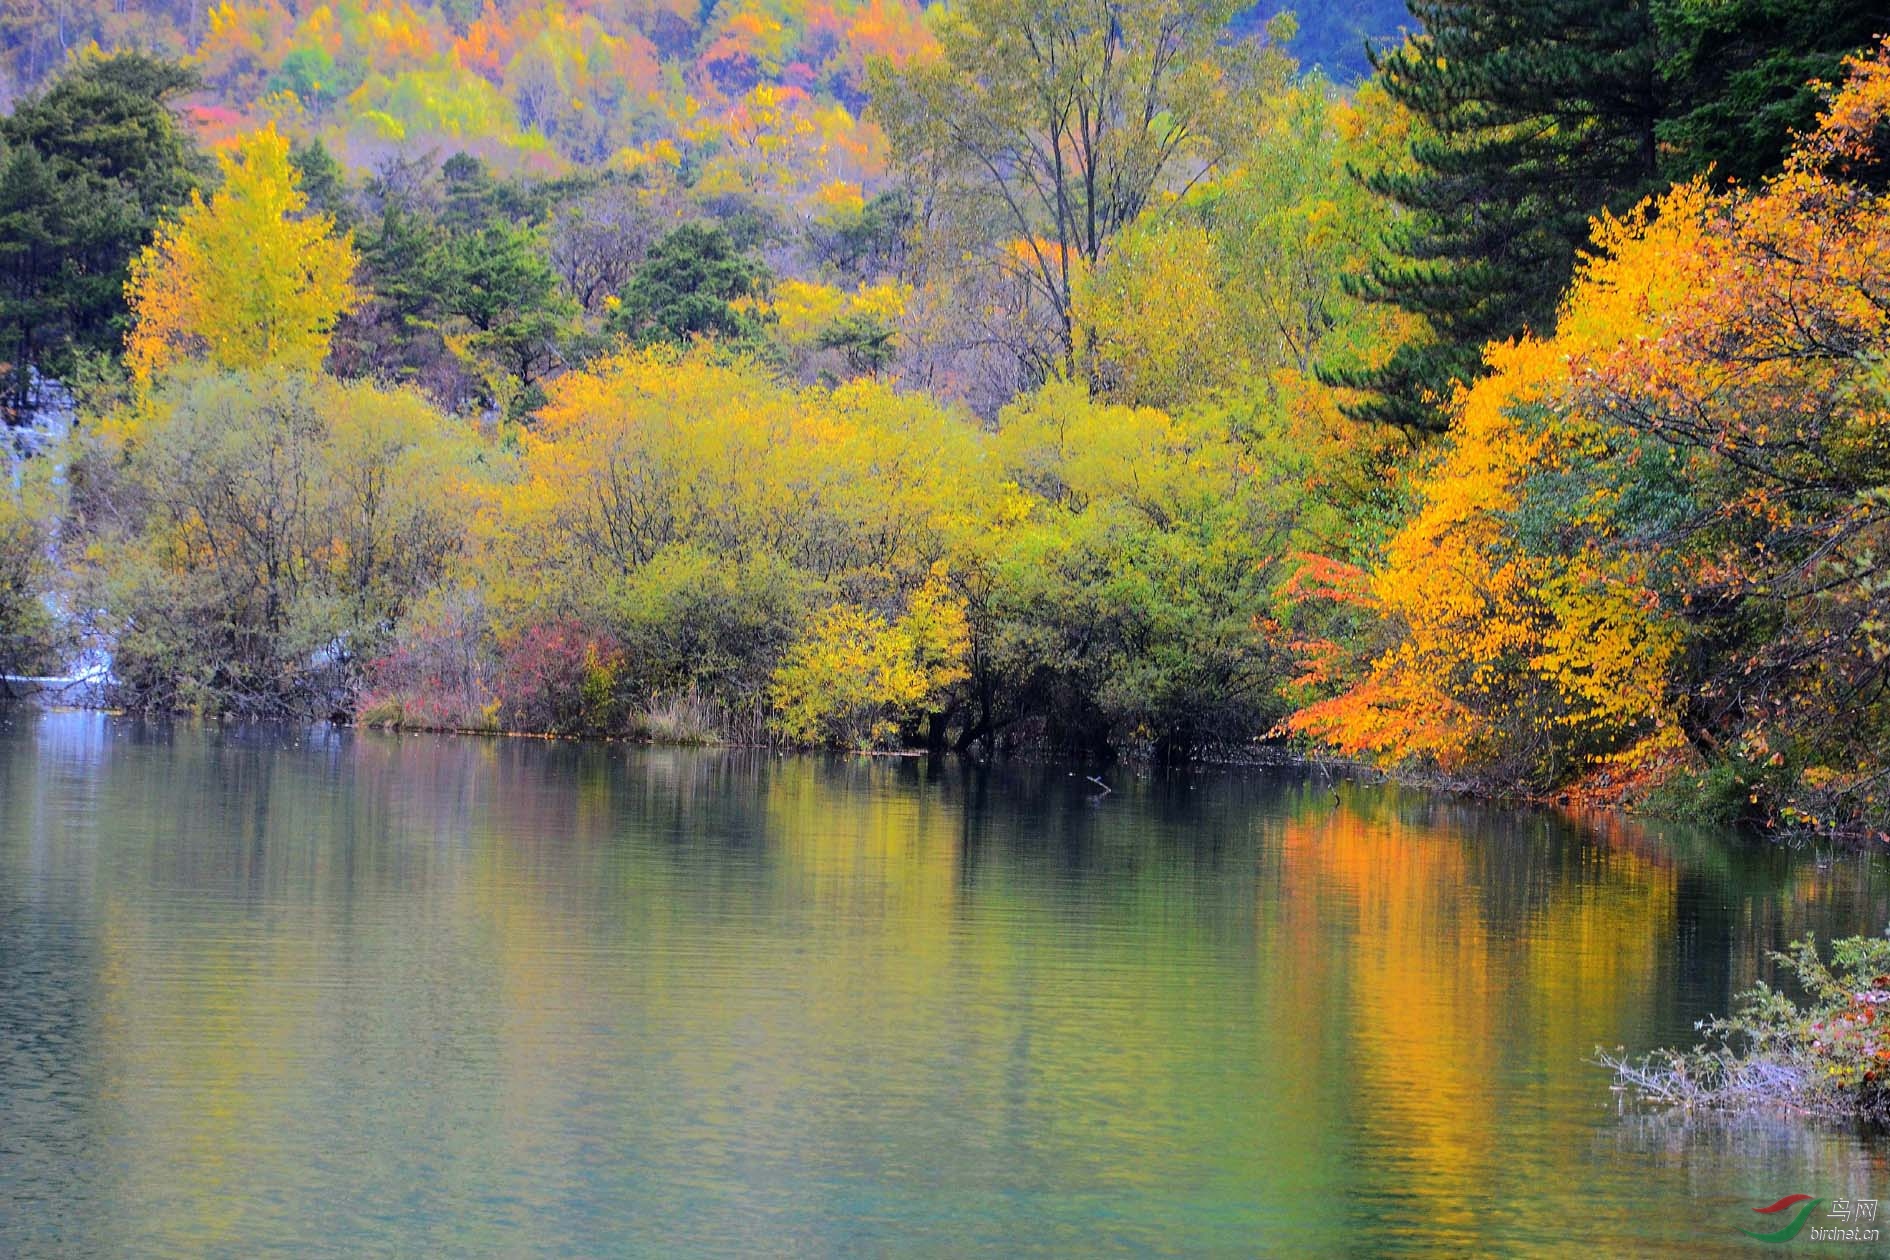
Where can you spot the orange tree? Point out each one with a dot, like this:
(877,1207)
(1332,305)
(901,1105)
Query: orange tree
(1662,527)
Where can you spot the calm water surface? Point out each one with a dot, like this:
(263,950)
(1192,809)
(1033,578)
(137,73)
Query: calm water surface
(279,992)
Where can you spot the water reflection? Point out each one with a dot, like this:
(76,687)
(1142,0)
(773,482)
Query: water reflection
(331,994)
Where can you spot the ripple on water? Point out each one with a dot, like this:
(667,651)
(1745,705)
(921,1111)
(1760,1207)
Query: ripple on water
(315,993)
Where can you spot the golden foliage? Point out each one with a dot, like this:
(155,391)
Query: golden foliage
(1693,458)
(855,679)
(1151,325)
(244,279)
(1502,653)
(656,448)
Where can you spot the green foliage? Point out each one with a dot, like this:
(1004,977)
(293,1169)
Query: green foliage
(467,301)
(26,625)
(1743,74)
(324,183)
(691,286)
(1730,792)
(87,168)
(866,340)
(253,537)
(499,281)
(1536,115)
(873,242)
(1297,228)
(1127,609)
(1247,281)
(696,622)
(311,74)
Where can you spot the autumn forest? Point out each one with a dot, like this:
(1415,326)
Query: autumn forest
(1497,393)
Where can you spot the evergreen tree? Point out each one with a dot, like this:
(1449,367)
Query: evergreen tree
(1534,116)
(499,281)
(689,287)
(397,251)
(1743,75)
(89,167)
(324,182)
(35,235)
(466,301)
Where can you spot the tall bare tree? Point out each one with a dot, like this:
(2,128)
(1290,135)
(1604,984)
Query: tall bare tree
(1044,127)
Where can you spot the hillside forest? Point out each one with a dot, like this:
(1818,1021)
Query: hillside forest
(1492,392)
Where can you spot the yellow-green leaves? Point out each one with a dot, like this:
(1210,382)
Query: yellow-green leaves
(270,529)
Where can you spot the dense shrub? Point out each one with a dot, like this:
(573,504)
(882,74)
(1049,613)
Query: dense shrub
(697,515)
(1130,604)
(694,621)
(252,538)
(877,571)
(857,680)
(562,679)
(438,672)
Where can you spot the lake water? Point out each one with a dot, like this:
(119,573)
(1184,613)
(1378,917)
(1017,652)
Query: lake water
(312,993)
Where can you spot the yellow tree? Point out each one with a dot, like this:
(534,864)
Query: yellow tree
(1046,130)
(244,279)
(1152,329)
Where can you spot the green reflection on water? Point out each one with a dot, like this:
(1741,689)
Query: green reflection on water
(328,994)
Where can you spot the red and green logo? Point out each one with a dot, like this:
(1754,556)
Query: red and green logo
(1805,1204)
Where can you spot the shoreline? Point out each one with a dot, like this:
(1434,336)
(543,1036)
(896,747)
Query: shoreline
(1259,757)
(1568,800)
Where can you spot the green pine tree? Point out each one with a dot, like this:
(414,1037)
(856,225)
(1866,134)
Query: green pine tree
(324,183)
(689,287)
(499,281)
(88,168)
(1743,75)
(1535,115)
